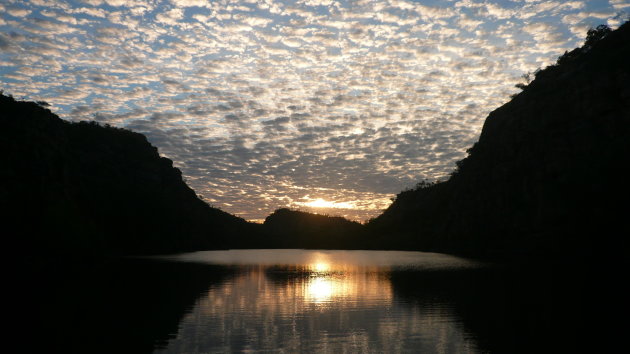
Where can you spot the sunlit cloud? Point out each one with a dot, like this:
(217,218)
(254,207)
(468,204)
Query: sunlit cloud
(262,105)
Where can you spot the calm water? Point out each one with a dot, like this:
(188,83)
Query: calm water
(305,301)
(319,301)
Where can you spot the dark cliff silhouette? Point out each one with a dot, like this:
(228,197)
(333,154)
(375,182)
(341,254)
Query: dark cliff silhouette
(546,176)
(297,229)
(70,188)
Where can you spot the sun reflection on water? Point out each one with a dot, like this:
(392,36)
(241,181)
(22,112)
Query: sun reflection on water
(320,287)
(294,306)
(320,267)
(319,290)
(331,280)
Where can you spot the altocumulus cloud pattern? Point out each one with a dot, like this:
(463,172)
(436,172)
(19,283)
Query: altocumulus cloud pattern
(334,105)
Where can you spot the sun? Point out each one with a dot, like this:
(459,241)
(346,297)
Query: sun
(321,203)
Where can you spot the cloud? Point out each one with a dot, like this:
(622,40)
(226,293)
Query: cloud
(619,4)
(170,17)
(468,23)
(5,43)
(191,3)
(17,11)
(273,104)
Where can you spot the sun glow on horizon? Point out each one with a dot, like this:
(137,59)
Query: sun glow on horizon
(321,203)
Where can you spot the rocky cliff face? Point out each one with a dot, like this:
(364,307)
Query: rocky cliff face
(71,188)
(546,175)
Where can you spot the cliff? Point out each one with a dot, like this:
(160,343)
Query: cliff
(546,176)
(81,188)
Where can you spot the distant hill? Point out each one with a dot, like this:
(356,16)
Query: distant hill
(297,229)
(547,175)
(72,188)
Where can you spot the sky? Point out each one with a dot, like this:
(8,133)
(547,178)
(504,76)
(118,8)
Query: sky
(318,105)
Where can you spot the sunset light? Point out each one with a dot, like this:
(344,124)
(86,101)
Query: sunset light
(321,203)
(315,176)
(321,267)
(320,289)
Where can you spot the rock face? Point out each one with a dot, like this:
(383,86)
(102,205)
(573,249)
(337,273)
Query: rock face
(547,174)
(71,188)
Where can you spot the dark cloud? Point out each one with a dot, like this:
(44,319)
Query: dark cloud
(160,117)
(4,42)
(199,110)
(131,62)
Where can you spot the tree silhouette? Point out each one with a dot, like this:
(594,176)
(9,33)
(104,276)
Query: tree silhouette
(594,35)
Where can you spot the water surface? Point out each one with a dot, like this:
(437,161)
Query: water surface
(309,301)
(320,301)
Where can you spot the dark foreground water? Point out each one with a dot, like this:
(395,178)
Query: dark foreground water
(304,301)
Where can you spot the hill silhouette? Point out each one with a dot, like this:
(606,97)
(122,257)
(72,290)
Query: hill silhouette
(297,229)
(71,188)
(546,176)
(89,189)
